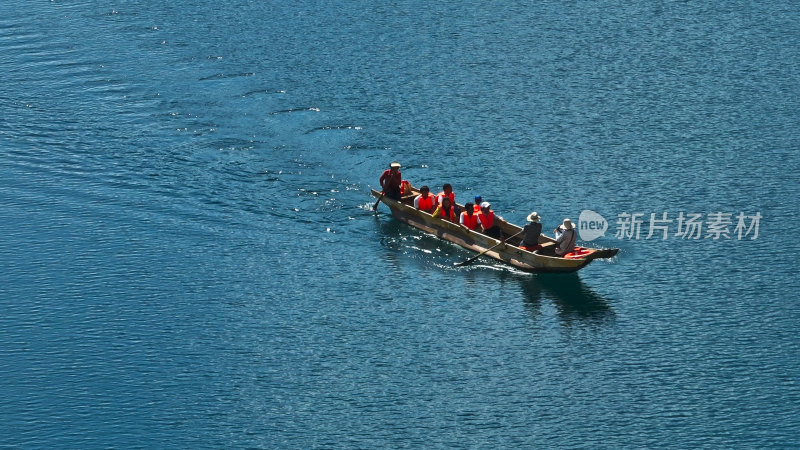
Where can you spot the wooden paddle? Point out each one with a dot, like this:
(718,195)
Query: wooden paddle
(375,208)
(464,263)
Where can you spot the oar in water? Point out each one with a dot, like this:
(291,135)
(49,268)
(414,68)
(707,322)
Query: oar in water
(375,207)
(464,263)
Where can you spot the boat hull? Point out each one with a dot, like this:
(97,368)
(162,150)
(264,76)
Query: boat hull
(505,252)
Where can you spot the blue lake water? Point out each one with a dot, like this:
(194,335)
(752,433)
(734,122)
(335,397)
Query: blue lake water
(189,256)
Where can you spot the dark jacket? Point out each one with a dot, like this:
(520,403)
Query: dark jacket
(532,231)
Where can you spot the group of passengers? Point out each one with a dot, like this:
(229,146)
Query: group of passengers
(476,216)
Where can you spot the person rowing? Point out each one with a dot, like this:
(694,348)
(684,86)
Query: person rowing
(390,181)
(532,231)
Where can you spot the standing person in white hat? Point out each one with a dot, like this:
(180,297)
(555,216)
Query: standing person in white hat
(565,237)
(390,181)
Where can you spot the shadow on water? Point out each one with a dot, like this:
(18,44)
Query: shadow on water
(574,300)
(391,232)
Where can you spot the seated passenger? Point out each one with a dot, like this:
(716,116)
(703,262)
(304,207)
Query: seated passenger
(489,221)
(445,210)
(447,191)
(468,218)
(406,188)
(424,201)
(531,233)
(478,201)
(565,237)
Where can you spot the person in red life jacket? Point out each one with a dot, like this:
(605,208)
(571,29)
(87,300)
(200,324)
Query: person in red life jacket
(390,181)
(489,221)
(531,233)
(405,188)
(447,191)
(424,201)
(478,201)
(469,219)
(445,210)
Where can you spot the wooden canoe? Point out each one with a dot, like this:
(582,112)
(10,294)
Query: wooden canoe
(542,261)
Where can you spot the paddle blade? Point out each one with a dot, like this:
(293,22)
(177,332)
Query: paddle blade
(377,202)
(464,263)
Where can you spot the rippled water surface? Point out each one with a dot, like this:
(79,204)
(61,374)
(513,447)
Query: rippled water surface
(189,256)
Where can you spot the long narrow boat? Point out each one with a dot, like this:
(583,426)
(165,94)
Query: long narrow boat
(543,260)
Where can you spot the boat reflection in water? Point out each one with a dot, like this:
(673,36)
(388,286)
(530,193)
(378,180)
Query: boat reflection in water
(574,300)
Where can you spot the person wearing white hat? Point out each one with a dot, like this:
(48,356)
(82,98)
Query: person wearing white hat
(391,180)
(488,221)
(532,231)
(565,237)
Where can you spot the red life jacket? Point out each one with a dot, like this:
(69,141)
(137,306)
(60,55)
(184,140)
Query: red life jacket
(470,222)
(425,203)
(441,194)
(441,213)
(487,220)
(405,187)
